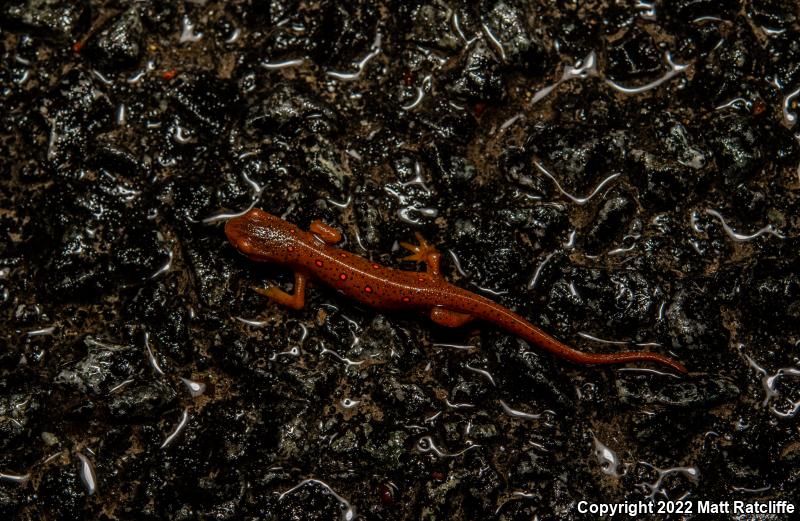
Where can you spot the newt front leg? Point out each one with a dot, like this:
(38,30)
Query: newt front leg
(296,301)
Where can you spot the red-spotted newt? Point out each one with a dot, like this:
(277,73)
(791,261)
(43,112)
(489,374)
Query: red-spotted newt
(264,237)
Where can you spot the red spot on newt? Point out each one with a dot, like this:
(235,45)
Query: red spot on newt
(318,263)
(265,237)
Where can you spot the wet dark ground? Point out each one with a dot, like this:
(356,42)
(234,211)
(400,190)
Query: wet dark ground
(622,173)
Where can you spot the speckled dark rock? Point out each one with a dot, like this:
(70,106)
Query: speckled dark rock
(678,394)
(477,76)
(137,402)
(623,174)
(20,412)
(61,20)
(119,44)
(104,367)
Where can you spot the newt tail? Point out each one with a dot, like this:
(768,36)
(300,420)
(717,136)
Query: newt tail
(504,318)
(267,238)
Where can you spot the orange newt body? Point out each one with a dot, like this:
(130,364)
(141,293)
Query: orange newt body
(264,237)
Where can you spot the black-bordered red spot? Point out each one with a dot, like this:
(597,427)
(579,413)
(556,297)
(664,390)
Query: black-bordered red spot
(376,266)
(290,248)
(318,263)
(342,276)
(368,289)
(406,299)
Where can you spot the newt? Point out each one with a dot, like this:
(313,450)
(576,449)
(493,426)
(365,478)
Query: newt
(263,237)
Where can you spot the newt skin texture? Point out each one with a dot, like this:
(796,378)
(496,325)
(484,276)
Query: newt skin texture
(266,238)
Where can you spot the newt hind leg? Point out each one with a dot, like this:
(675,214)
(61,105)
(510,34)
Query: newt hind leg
(447,318)
(296,301)
(425,252)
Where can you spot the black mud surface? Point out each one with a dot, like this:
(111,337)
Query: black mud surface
(624,174)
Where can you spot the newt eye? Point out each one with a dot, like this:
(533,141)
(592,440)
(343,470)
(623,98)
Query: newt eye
(244,245)
(250,249)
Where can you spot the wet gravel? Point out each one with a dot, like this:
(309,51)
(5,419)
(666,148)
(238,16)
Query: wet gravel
(622,173)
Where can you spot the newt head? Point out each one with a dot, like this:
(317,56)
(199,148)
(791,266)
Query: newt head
(259,235)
